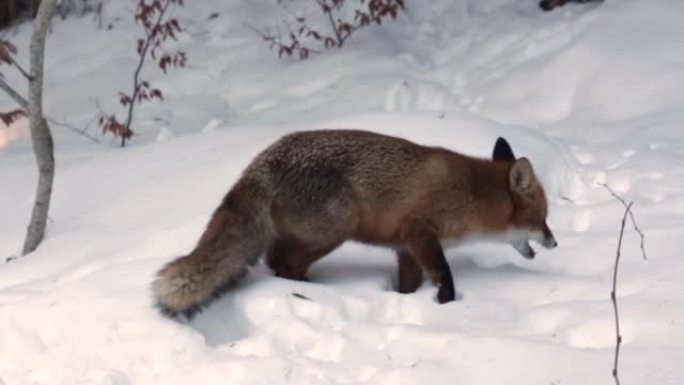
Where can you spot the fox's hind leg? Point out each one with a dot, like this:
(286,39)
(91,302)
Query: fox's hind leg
(289,258)
(410,273)
(279,258)
(313,214)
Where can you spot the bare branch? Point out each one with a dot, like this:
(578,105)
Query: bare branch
(21,69)
(631,216)
(14,94)
(328,10)
(98,106)
(613,296)
(277,41)
(79,131)
(613,293)
(24,104)
(255,30)
(299,41)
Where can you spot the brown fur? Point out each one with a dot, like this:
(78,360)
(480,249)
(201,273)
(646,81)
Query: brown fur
(309,192)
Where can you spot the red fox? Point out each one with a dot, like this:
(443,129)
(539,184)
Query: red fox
(310,191)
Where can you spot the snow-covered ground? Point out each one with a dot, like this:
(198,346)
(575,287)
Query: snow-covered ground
(592,94)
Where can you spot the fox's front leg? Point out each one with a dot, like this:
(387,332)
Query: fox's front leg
(410,273)
(427,251)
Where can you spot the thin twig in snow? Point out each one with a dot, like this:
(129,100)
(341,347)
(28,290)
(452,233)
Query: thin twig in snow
(613,293)
(631,217)
(613,296)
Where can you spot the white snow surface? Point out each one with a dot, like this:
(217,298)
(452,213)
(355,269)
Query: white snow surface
(590,93)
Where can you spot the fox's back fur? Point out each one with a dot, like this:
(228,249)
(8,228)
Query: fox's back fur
(310,191)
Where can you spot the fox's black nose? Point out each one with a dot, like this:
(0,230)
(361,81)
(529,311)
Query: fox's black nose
(550,242)
(549,239)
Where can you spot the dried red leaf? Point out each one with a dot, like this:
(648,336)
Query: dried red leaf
(7,51)
(156,93)
(118,129)
(10,117)
(124,99)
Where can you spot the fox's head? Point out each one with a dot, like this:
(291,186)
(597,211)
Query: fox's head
(529,203)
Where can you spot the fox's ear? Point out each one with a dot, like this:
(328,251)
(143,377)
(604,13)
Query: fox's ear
(521,176)
(503,151)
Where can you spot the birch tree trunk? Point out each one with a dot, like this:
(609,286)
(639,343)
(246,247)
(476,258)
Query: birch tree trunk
(33,7)
(40,131)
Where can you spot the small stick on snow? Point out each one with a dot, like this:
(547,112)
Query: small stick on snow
(301,296)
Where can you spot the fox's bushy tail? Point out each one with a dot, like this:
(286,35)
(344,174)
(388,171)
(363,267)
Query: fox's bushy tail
(234,239)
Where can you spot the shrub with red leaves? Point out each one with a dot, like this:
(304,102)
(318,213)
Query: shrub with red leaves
(157,29)
(306,40)
(110,124)
(7,52)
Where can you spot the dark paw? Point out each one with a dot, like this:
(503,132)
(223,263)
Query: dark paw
(547,5)
(446,294)
(303,278)
(293,276)
(409,287)
(405,290)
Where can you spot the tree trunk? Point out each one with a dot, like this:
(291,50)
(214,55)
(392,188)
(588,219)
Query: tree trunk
(34,6)
(40,131)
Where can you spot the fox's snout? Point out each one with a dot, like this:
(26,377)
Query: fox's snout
(549,240)
(550,243)
(544,237)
